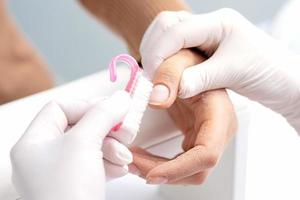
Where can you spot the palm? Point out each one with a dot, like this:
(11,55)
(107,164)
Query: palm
(202,114)
(207,122)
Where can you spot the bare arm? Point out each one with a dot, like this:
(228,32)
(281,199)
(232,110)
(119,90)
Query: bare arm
(130,18)
(22,71)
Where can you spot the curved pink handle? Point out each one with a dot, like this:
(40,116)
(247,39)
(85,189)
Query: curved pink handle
(133,65)
(133,76)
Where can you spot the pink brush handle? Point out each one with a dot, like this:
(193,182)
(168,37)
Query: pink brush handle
(134,70)
(133,76)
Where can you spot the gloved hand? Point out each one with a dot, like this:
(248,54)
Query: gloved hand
(59,156)
(240,57)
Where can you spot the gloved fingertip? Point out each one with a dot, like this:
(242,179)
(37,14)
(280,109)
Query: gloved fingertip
(125,156)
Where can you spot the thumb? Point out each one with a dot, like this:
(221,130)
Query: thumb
(167,77)
(208,75)
(101,118)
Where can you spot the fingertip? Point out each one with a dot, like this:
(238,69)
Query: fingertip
(114,171)
(155,177)
(163,96)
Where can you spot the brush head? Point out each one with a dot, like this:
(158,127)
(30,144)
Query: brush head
(140,99)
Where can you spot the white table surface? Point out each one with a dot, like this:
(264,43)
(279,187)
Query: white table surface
(273,165)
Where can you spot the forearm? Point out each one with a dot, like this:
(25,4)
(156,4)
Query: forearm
(130,18)
(22,71)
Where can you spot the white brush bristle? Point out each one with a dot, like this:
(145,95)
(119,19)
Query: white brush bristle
(140,98)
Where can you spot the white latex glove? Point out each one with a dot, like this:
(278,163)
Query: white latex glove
(240,57)
(60,158)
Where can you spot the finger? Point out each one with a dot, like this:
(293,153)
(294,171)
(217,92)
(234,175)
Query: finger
(100,119)
(214,134)
(114,171)
(55,117)
(115,152)
(187,164)
(208,75)
(167,77)
(203,31)
(195,179)
(161,23)
(74,109)
(189,141)
(144,161)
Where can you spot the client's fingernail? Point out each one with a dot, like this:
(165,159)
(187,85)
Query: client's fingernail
(157,181)
(134,170)
(160,94)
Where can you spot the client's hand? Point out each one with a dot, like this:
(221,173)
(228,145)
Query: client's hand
(59,156)
(207,121)
(241,57)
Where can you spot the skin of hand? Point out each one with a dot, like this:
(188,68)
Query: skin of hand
(60,157)
(137,17)
(207,122)
(241,57)
(22,71)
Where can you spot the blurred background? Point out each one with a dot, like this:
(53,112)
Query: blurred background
(74,44)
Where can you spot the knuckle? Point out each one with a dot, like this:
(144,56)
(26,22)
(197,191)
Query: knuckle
(228,12)
(229,17)
(199,178)
(165,20)
(212,159)
(183,15)
(207,158)
(164,15)
(168,76)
